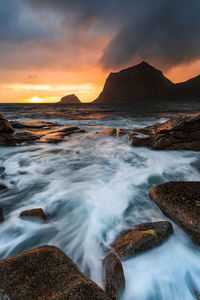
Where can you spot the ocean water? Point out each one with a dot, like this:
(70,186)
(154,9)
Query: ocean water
(92,188)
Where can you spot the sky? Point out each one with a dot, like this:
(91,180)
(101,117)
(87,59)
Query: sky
(51,48)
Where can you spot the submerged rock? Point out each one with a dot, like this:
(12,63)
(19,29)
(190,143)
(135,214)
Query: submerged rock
(6,132)
(113,276)
(180,201)
(1,215)
(45,273)
(33,213)
(182,133)
(141,238)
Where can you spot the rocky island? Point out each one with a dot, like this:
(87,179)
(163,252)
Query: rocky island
(70,99)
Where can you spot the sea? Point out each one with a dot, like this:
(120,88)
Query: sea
(94,187)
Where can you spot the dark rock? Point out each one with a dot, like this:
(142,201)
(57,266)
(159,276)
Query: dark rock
(145,83)
(1,215)
(70,99)
(3,187)
(180,201)
(6,132)
(2,170)
(113,276)
(141,238)
(45,273)
(33,213)
(32,124)
(182,133)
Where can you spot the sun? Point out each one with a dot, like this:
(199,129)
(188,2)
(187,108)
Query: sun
(35,100)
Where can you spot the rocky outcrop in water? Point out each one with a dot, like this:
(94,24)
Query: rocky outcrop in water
(3,187)
(45,273)
(46,136)
(113,276)
(32,124)
(180,201)
(145,83)
(141,238)
(70,99)
(35,213)
(6,132)
(182,133)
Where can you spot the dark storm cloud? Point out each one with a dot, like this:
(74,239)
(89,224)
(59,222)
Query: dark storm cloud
(164,32)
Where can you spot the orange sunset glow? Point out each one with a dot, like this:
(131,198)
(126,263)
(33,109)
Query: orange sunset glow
(51,50)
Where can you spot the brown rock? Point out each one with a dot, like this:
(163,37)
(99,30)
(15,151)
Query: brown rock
(180,201)
(182,133)
(33,213)
(1,215)
(45,273)
(6,132)
(105,132)
(141,238)
(113,276)
(33,124)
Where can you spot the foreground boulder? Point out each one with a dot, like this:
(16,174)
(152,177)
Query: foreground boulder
(141,238)
(36,213)
(182,133)
(6,132)
(180,201)
(45,273)
(113,276)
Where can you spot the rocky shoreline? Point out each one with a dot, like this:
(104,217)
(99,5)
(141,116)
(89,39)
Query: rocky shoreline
(48,273)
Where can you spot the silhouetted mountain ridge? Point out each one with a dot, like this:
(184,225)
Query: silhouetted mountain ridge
(144,82)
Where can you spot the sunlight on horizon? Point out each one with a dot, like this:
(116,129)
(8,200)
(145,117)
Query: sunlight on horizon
(35,100)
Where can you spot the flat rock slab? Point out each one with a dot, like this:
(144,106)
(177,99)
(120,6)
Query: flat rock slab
(113,276)
(182,133)
(35,213)
(180,201)
(141,238)
(32,124)
(45,273)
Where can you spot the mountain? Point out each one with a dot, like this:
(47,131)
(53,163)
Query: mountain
(144,82)
(70,99)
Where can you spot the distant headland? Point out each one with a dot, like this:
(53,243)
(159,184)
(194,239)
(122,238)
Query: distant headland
(146,83)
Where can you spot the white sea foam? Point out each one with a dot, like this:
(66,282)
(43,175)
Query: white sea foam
(92,188)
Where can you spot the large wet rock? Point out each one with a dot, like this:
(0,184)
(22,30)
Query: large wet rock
(45,273)
(1,215)
(141,238)
(113,276)
(182,133)
(6,132)
(46,136)
(35,213)
(32,124)
(180,201)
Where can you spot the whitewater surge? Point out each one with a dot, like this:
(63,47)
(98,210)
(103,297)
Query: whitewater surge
(92,188)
